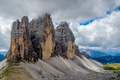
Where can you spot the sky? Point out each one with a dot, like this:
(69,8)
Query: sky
(95,23)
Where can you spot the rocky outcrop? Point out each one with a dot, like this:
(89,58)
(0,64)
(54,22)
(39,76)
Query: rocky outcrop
(38,40)
(64,41)
(30,41)
(21,45)
(77,52)
(43,36)
(86,55)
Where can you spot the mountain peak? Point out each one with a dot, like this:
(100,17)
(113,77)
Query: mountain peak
(63,23)
(24,20)
(38,40)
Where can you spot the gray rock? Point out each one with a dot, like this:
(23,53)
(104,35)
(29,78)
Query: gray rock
(21,46)
(43,36)
(64,41)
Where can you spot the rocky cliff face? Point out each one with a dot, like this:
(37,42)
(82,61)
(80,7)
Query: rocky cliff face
(38,40)
(43,36)
(86,55)
(30,41)
(64,41)
(77,52)
(21,46)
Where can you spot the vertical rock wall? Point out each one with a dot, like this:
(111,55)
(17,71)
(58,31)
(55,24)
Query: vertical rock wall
(21,46)
(43,36)
(65,41)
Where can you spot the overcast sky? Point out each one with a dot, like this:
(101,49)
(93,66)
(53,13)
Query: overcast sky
(95,23)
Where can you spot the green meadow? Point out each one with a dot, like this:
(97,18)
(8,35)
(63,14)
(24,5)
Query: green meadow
(112,67)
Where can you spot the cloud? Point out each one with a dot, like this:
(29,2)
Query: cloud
(69,10)
(5,27)
(101,33)
(72,11)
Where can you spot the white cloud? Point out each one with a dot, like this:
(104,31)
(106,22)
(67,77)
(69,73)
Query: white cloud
(72,11)
(5,27)
(3,50)
(102,33)
(69,10)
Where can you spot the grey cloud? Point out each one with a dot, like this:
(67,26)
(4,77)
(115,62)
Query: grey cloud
(5,27)
(68,10)
(4,41)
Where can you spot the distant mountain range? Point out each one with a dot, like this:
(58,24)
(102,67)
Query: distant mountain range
(93,53)
(113,52)
(1,57)
(3,53)
(99,52)
(107,59)
(118,54)
(103,55)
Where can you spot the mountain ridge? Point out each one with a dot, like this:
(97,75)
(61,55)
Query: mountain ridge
(40,52)
(107,59)
(38,39)
(93,53)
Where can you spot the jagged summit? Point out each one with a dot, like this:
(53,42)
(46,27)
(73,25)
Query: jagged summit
(43,36)
(65,41)
(25,21)
(41,16)
(37,39)
(63,23)
(21,47)
(64,30)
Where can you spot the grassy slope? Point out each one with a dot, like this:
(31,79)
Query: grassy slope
(115,68)
(15,72)
(112,66)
